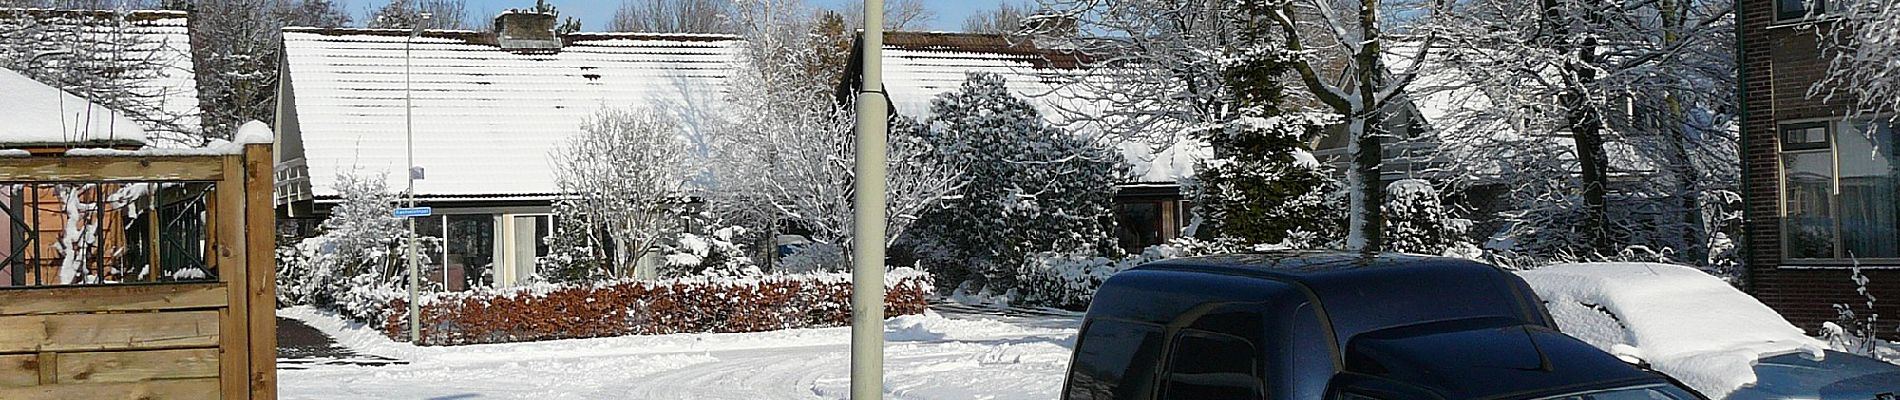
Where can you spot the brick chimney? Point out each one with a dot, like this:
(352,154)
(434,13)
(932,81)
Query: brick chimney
(526,31)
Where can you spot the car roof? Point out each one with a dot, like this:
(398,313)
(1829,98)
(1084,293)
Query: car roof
(1363,293)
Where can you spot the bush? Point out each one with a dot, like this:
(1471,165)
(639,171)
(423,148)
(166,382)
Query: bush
(690,305)
(1069,281)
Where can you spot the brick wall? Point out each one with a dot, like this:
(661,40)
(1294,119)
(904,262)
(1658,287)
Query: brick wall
(1778,65)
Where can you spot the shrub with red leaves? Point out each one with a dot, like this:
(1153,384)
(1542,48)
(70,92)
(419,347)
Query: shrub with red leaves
(649,307)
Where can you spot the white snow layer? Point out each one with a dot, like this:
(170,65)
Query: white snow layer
(1685,323)
(928,357)
(41,114)
(485,119)
(255,132)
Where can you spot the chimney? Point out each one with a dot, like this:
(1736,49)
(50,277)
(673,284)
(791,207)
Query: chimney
(526,31)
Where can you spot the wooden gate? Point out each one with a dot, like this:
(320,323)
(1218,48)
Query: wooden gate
(129,275)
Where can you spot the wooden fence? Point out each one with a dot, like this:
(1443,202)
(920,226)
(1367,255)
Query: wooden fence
(126,333)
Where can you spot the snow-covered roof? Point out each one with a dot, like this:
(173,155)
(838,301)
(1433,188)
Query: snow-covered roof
(160,37)
(485,118)
(920,65)
(1685,323)
(41,115)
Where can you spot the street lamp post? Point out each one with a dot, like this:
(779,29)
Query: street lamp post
(409,138)
(867,251)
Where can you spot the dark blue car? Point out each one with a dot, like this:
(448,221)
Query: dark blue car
(1311,325)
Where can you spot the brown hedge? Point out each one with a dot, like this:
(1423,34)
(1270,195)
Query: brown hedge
(648,307)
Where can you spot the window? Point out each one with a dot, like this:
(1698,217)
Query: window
(1138,225)
(1839,186)
(1795,9)
(1114,360)
(1207,365)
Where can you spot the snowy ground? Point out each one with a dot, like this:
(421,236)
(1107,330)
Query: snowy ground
(956,356)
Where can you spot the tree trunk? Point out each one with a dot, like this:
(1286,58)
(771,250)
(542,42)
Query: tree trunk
(1586,129)
(1366,220)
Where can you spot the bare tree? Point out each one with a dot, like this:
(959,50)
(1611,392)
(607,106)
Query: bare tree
(624,174)
(102,57)
(899,15)
(1862,45)
(1566,82)
(785,153)
(671,16)
(1006,18)
(443,14)
(313,13)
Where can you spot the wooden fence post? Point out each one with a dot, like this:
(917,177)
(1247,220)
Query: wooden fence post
(261,237)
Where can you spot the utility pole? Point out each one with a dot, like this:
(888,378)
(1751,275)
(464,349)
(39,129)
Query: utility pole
(867,251)
(409,137)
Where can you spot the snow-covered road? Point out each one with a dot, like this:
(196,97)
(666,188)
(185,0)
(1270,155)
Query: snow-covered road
(955,356)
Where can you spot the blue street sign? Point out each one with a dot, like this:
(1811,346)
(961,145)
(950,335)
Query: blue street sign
(412,212)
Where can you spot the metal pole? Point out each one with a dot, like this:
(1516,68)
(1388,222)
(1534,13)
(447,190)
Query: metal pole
(867,253)
(409,135)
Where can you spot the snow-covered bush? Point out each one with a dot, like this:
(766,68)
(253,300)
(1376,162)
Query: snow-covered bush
(716,254)
(622,180)
(1069,280)
(1417,222)
(815,257)
(644,307)
(358,247)
(1029,187)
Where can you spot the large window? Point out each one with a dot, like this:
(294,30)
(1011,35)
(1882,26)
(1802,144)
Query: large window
(1206,365)
(1839,184)
(1115,360)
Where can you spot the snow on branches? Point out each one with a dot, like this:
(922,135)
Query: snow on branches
(1864,45)
(623,178)
(1031,187)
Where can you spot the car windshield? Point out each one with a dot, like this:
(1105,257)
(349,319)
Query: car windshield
(1647,392)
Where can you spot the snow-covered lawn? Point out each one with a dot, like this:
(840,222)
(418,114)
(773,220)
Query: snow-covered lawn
(929,357)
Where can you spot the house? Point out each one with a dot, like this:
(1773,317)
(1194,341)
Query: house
(487,111)
(1821,188)
(1150,206)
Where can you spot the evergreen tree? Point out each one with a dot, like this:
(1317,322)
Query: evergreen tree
(1030,187)
(1262,186)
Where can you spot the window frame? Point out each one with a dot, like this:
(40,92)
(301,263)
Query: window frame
(1165,379)
(1833,127)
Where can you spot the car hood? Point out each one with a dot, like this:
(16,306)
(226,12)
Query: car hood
(1836,375)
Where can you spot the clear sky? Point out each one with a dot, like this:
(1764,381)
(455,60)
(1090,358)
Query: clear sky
(595,13)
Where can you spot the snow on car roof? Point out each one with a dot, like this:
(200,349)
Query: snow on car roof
(39,115)
(1685,323)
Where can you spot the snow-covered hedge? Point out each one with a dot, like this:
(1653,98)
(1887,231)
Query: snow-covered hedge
(685,305)
(1069,281)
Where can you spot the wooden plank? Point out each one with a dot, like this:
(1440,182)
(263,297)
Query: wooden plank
(89,332)
(134,366)
(172,168)
(179,389)
(260,222)
(48,364)
(19,370)
(63,300)
(234,344)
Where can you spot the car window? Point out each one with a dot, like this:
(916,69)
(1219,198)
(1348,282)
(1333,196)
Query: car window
(1114,360)
(1205,365)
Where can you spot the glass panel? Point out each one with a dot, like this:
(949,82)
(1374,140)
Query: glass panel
(1808,231)
(471,251)
(1794,9)
(1114,360)
(1867,199)
(1804,137)
(429,260)
(1213,366)
(1139,225)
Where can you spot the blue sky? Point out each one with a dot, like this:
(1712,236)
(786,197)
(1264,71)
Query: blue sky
(595,13)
